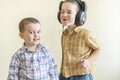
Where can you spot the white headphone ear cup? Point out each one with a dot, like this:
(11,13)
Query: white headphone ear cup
(83,17)
(80,18)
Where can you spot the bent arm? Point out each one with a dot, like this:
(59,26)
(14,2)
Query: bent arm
(93,55)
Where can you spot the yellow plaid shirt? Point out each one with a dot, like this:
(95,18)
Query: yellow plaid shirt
(75,47)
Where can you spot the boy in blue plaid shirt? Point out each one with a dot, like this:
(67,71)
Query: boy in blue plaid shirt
(32,61)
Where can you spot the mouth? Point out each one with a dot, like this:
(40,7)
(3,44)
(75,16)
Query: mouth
(36,39)
(64,20)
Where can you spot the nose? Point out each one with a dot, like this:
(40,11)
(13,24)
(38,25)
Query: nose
(35,34)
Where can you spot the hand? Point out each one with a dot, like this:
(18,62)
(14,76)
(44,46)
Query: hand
(84,63)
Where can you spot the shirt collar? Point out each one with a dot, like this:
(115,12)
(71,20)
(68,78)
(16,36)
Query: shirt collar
(77,30)
(24,48)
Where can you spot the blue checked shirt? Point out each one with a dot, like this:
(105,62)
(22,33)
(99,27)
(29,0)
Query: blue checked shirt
(28,65)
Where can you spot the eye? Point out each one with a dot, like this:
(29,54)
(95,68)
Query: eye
(31,32)
(38,31)
(62,12)
(69,12)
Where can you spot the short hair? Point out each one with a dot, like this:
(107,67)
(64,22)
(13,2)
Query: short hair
(75,2)
(26,21)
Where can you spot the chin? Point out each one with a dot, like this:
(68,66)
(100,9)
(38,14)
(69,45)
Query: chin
(35,44)
(64,24)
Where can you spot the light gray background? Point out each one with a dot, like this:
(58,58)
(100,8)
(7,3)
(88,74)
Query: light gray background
(103,18)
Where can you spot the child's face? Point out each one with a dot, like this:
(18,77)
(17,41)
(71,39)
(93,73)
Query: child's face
(68,13)
(31,34)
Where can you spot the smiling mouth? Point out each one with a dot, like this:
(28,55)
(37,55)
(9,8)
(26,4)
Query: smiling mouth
(36,39)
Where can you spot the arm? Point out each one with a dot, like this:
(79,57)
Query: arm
(13,69)
(92,44)
(53,69)
(93,56)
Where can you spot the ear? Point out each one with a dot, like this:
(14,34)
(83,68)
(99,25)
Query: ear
(21,35)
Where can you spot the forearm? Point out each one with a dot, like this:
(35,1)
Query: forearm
(85,62)
(93,55)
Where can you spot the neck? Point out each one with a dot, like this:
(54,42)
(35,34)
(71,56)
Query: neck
(32,48)
(71,28)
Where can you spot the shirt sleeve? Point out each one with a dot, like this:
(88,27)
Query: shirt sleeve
(53,69)
(13,68)
(91,40)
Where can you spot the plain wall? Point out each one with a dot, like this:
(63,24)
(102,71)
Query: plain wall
(103,18)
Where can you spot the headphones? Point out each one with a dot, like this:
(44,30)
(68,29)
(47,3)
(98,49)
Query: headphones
(81,14)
